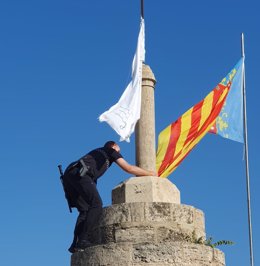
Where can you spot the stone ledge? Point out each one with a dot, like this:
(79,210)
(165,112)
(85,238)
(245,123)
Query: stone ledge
(149,222)
(145,233)
(152,212)
(129,254)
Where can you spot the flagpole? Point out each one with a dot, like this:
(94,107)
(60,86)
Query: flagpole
(142,9)
(246,157)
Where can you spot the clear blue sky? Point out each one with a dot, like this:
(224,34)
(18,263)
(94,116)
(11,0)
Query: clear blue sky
(64,62)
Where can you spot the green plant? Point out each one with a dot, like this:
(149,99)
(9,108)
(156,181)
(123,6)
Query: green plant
(208,242)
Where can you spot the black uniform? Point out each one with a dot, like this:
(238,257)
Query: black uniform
(80,180)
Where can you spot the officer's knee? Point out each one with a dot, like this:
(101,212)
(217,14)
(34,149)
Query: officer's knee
(83,214)
(97,203)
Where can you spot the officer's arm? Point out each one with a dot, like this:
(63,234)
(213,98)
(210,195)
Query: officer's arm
(132,169)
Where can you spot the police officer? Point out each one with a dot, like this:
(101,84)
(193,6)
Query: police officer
(80,179)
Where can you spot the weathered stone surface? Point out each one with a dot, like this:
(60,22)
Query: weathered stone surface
(178,253)
(149,222)
(146,189)
(129,254)
(106,255)
(179,214)
(149,233)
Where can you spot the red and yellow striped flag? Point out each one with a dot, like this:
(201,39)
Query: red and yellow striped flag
(177,140)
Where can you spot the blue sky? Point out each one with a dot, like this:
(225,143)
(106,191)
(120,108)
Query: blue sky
(63,63)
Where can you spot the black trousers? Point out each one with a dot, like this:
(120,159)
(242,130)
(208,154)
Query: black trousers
(84,196)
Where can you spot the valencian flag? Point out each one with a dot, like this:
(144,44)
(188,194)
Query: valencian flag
(177,140)
(229,123)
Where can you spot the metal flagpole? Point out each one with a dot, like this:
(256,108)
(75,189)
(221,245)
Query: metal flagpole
(246,157)
(142,9)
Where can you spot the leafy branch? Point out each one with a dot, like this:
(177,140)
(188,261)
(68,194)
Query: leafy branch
(208,242)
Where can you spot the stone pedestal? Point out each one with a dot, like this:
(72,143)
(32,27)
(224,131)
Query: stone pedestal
(154,229)
(146,189)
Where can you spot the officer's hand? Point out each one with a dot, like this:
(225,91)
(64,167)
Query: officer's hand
(153,173)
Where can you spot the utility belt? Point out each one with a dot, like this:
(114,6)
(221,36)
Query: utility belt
(80,168)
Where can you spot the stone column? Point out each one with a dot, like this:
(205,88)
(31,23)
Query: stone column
(147,224)
(145,128)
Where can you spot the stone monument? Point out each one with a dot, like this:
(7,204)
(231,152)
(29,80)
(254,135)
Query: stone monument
(146,223)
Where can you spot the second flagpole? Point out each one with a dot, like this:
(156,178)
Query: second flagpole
(246,158)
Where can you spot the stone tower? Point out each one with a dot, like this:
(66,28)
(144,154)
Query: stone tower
(146,223)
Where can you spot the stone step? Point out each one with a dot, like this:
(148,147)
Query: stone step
(149,222)
(166,253)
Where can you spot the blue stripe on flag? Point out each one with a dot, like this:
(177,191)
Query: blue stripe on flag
(230,120)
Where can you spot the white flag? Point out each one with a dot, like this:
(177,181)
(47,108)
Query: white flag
(123,116)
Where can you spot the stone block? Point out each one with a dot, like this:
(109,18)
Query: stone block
(105,255)
(146,189)
(135,234)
